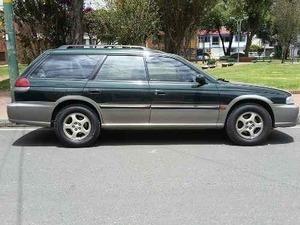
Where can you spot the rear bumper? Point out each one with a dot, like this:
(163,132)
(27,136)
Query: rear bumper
(31,113)
(285,115)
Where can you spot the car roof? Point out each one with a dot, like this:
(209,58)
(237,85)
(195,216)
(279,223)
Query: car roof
(111,49)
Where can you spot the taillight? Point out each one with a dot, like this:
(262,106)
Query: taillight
(22,84)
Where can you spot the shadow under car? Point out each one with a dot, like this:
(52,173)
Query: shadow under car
(47,137)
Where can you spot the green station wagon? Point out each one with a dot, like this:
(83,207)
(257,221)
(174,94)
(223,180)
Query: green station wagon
(80,90)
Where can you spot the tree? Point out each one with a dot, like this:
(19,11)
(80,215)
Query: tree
(77,24)
(128,22)
(257,12)
(99,25)
(135,20)
(180,19)
(286,23)
(41,25)
(221,16)
(44,24)
(2,28)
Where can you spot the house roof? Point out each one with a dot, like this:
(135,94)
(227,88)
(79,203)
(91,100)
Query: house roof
(223,31)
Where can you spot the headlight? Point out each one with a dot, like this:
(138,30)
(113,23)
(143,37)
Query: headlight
(290,100)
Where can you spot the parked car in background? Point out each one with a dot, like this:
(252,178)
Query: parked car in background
(80,91)
(202,55)
(235,55)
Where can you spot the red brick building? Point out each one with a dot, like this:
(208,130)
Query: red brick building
(2,50)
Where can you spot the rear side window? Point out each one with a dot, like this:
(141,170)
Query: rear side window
(67,66)
(122,68)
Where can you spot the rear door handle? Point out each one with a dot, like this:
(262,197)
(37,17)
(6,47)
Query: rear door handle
(158,92)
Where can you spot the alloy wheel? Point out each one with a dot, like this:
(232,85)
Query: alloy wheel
(249,125)
(76,126)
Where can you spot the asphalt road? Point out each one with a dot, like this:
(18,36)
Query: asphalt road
(149,177)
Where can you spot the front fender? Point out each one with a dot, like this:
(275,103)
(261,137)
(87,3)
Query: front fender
(225,109)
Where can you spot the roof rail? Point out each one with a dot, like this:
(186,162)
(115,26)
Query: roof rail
(102,46)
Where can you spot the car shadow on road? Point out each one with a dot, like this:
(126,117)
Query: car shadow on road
(46,137)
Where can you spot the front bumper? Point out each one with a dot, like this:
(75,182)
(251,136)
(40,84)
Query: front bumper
(30,113)
(285,115)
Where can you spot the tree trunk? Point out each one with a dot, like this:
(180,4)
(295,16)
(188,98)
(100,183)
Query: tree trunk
(283,54)
(230,44)
(249,43)
(76,28)
(173,43)
(222,40)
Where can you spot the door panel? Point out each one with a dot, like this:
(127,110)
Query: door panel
(121,102)
(122,91)
(184,103)
(176,97)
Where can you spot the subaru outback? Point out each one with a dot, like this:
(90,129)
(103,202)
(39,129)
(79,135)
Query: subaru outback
(79,90)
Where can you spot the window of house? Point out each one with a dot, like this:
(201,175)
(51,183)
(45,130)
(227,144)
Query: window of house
(169,69)
(67,66)
(215,40)
(123,68)
(242,38)
(227,39)
(205,38)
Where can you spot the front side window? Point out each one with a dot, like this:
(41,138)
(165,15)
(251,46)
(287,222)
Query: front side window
(123,68)
(67,66)
(169,69)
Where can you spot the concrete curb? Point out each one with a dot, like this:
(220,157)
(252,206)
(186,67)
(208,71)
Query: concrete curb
(6,123)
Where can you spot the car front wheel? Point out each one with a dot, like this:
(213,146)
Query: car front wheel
(77,126)
(249,124)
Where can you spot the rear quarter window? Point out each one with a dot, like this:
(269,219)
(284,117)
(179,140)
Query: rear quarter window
(67,67)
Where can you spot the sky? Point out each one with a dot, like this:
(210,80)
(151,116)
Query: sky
(91,3)
(94,3)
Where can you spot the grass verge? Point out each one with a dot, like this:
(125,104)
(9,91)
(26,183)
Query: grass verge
(284,76)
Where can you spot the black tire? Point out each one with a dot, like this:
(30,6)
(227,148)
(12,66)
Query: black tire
(232,131)
(91,137)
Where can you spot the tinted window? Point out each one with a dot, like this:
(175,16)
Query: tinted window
(67,66)
(123,68)
(168,69)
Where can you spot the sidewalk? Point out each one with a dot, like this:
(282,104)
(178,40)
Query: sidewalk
(5,99)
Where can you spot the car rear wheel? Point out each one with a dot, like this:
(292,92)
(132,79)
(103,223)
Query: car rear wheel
(77,126)
(249,124)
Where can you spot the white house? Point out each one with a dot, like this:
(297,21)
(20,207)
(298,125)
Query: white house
(210,41)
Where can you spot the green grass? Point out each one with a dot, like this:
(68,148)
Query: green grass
(4,85)
(4,81)
(285,76)
(4,70)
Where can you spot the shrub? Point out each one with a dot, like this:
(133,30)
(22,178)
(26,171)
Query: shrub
(211,62)
(256,48)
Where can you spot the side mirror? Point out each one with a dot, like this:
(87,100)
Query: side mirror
(200,79)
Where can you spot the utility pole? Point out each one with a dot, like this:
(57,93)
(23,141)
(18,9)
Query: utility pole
(239,31)
(239,28)
(10,38)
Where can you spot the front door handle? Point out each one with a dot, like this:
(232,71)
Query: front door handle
(158,92)
(94,92)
